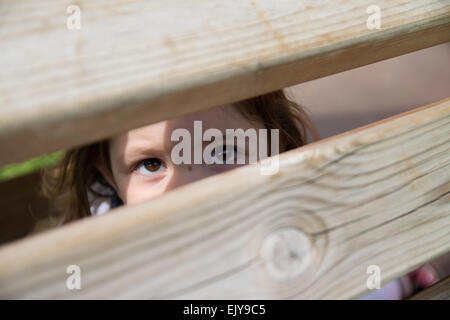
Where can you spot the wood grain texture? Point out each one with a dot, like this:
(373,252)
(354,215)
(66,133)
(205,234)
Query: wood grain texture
(374,196)
(439,291)
(137,62)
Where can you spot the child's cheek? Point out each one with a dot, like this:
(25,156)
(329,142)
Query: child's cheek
(140,190)
(219,168)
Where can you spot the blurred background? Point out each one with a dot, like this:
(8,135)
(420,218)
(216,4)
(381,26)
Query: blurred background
(357,97)
(336,104)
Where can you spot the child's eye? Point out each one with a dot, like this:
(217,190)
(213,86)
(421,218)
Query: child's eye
(223,156)
(149,166)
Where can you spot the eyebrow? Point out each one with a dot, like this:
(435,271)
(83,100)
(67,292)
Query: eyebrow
(134,154)
(143,149)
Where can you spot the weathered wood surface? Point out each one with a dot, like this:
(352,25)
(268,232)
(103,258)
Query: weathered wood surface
(439,291)
(374,196)
(137,62)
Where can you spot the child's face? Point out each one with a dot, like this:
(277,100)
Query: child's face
(141,159)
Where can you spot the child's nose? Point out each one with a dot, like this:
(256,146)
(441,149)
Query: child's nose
(185,173)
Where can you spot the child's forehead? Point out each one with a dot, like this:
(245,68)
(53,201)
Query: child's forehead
(221,117)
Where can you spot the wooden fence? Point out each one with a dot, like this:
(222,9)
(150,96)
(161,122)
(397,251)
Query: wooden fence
(378,195)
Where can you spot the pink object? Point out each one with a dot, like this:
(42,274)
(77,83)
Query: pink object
(424,276)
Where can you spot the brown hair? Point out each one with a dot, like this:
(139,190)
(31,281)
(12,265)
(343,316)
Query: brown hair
(68,183)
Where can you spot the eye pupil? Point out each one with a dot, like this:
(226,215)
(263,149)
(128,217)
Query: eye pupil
(223,155)
(152,164)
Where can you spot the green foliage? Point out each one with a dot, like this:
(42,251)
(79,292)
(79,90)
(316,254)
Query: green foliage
(14,170)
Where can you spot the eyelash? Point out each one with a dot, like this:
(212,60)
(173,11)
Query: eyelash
(141,163)
(235,153)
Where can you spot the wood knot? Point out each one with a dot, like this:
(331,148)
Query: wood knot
(286,253)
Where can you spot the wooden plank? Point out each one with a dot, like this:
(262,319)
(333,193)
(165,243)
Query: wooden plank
(439,291)
(137,62)
(374,196)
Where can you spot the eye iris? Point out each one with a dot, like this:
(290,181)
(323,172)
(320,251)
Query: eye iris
(224,154)
(152,164)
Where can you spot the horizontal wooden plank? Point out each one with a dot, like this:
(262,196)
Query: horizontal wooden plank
(137,62)
(439,291)
(374,196)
